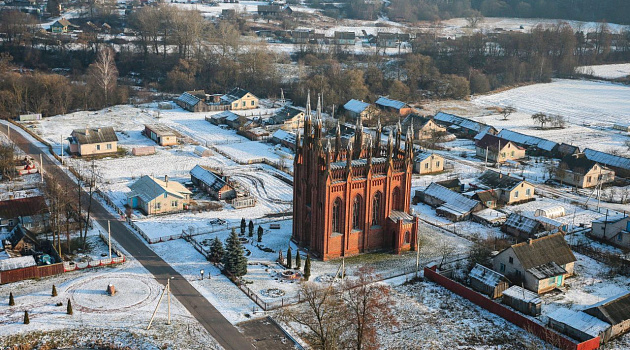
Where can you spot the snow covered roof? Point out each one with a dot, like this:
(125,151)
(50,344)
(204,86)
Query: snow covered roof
(492,142)
(549,221)
(615,309)
(148,188)
(234,95)
(463,122)
(490,215)
(528,140)
(95,135)
(160,129)
(17,263)
(495,180)
(223,115)
(450,198)
(188,99)
(518,293)
(522,223)
(580,321)
(386,102)
(540,251)
(284,136)
(208,177)
(548,270)
(422,155)
(486,276)
(607,159)
(356,106)
(396,215)
(286,113)
(611,218)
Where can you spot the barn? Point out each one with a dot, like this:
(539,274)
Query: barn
(522,300)
(488,282)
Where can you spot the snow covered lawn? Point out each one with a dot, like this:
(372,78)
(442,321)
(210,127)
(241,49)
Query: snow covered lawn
(606,71)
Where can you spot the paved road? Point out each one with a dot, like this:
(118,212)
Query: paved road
(219,328)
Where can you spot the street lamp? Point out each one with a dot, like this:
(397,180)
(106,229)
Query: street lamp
(201,274)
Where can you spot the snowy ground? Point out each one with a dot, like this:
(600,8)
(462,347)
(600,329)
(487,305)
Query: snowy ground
(590,107)
(606,71)
(120,319)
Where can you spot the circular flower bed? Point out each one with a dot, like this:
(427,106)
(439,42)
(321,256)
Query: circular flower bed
(290,275)
(272,293)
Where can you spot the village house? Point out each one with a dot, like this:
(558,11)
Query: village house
(355,108)
(423,128)
(540,264)
(274,10)
(400,108)
(463,126)
(256,134)
(452,205)
(535,146)
(239,99)
(344,38)
(221,118)
(428,163)
(487,198)
(284,138)
(521,227)
(564,149)
(614,311)
(384,39)
(212,182)
(291,118)
(154,196)
(510,190)
(577,170)
(621,165)
(161,134)
(614,229)
(61,26)
(497,150)
(19,241)
(487,281)
(31,212)
(193,101)
(92,142)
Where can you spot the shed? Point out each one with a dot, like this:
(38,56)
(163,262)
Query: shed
(489,217)
(579,325)
(29,117)
(622,126)
(17,263)
(522,300)
(614,311)
(487,281)
(521,226)
(202,151)
(143,150)
(551,212)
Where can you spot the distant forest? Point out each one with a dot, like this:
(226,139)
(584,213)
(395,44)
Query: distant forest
(612,11)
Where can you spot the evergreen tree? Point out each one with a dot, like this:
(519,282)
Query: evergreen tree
(260,233)
(234,260)
(216,250)
(289,263)
(251,228)
(243,226)
(26,320)
(54,291)
(53,7)
(69,308)
(307,268)
(298,260)
(11,300)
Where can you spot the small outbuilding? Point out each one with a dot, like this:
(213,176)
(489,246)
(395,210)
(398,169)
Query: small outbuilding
(161,134)
(202,151)
(614,311)
(579,325)
(488,282)
(551,212)
(522,300)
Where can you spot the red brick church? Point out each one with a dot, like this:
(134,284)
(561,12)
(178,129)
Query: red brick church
(352,197)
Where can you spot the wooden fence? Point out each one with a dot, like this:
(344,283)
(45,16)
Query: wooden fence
(554,338)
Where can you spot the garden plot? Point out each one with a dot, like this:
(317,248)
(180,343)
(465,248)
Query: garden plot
(248,152)
(574,215)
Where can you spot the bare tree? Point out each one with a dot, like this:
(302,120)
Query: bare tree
(90,179)
(541,118)
(105,73)
(7,159)
(474,17)
(507,111)
(368,306)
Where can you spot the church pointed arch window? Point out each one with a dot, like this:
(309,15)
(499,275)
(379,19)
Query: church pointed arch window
(336,216)
(356,213)
(376,208)
(396,199)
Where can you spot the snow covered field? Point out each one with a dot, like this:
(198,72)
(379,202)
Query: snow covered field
(606,71)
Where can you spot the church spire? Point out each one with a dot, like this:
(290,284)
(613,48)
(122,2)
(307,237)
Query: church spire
(307,117)
(377,143)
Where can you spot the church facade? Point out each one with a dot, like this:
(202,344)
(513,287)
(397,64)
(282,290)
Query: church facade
(352,197)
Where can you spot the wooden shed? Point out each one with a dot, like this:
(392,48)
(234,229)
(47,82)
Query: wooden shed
(522,300)
(487,281)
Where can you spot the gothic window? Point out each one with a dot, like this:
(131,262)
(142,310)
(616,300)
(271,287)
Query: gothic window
(336,216)
(407,237)
(356,213)
(396,199)
(376,208)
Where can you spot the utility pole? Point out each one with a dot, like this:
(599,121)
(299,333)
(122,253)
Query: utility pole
(61,147)
(41,167)
(418,252)
(168,297)
(109,239)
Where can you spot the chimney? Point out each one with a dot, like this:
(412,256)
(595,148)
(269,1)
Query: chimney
(500,175)
(530,241)
(166,180)
(98,130)
(87,131)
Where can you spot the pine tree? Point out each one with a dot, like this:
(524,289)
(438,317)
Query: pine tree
(216,250)
(307,268)
(260,233)
(298,260)
(54,291)
(251,228)
(289,264)
(11,300)
(26,320)
(243,226)
(69,308)
(234,260)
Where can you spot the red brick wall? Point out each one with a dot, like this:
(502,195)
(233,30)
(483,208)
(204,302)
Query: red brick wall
(538,330)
